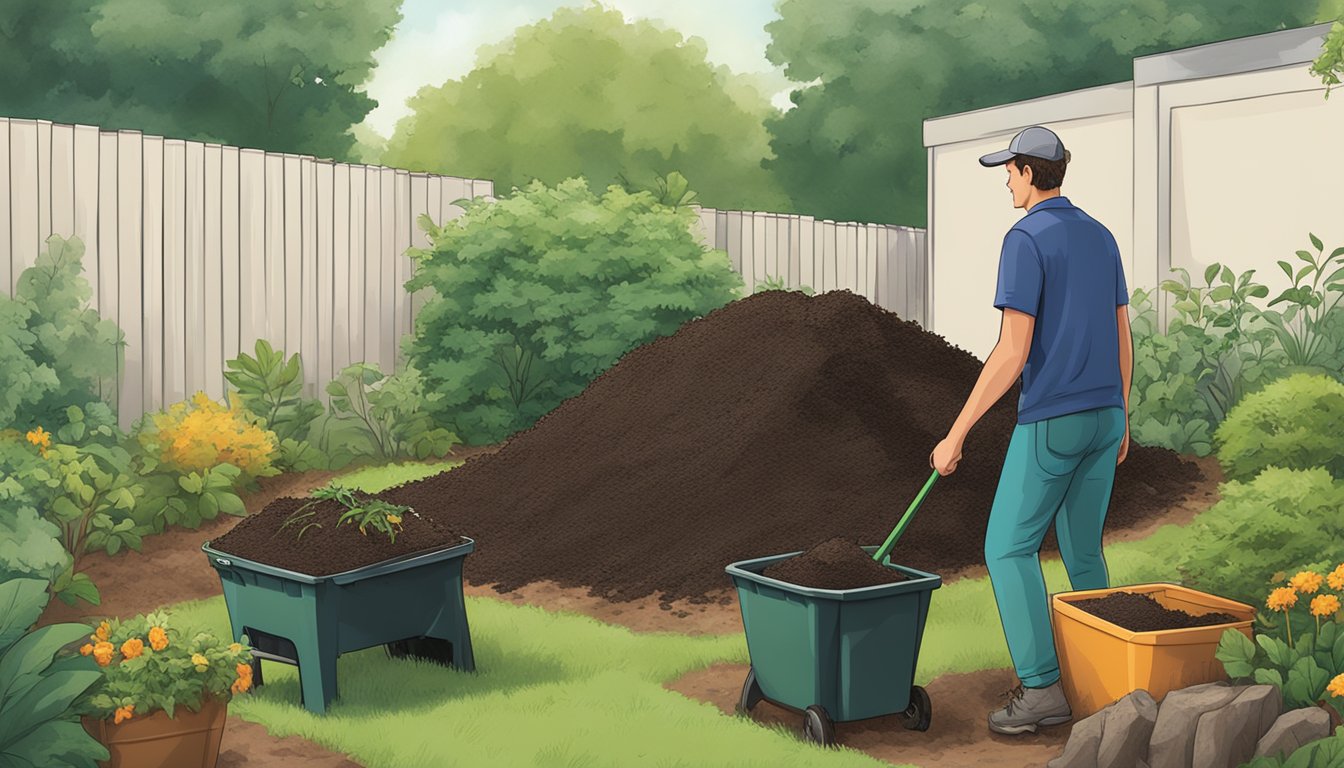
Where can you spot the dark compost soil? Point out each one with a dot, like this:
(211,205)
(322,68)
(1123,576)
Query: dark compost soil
(1141,613)
(771,424)
(332,548)
(836,563)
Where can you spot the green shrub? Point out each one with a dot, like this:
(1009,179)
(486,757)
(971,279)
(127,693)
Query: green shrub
(1322,753)
(41,686)
(538,293)
(1297,422)
(1285,516)
(272,388)
(388,416)
(55,352)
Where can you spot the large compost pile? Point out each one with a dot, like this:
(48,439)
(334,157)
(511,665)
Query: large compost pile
(767,426)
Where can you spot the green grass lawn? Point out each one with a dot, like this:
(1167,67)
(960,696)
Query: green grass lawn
(559,689)
(380,478)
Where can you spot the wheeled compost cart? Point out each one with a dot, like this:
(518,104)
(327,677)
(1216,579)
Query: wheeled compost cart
(835,655)
(413,605)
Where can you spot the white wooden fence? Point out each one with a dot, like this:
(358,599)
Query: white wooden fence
(197,250)
(883,263)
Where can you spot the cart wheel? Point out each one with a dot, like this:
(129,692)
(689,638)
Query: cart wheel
(916,717)
(817,726)
(751,693)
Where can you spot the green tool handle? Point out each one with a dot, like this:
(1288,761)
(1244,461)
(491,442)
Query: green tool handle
(909,515)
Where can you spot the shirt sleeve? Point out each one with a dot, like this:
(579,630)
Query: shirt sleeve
(1121,287)
(1021,276)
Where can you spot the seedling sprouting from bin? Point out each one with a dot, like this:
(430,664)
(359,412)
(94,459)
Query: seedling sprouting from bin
(379,514)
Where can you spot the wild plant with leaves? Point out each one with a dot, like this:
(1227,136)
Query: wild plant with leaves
(271,387)
(1318,286)
(362,512)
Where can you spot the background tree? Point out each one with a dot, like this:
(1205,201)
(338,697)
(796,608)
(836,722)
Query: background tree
(584,93)
(270,74)
(853,146)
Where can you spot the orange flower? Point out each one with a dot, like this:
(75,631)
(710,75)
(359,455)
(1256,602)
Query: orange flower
(1336,687)
(158,639)
(102,653)
(132,648)
(1282,599)
(41,438)
(1336,577)
(1324,605)
(123,713)
(244,680)
(86,649)
(1306,582)
(102,631)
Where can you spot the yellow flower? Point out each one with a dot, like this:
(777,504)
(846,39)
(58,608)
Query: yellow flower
(394,519)
(41,438)
(199,660)
(1306,582)
(101,633)
(1324,605)
(86,649)
(132,648)
(123,713)
(158,638)
(236,648)
(1282,599)
(102,653)
(1336,687)
(1336,577)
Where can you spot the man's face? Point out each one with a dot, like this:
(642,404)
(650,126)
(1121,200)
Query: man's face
(1019,183)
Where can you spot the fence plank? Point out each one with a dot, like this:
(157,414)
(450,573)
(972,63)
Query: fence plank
(6,245)
(759,254)
(193,229)
(378,197)
(175,261)
(875,233)
(43,180)
(830,233)
(252,305)
(309,279)
(151,259)
(84,198)
(109,274)
(733,239)
(275,250)
(212,364)
(63,180)
(25,239)
(419,205)
(342,235)
(434,207)
(795,250)
(230,255)
(359,192)
(807,252)
(130,301)
(400,268)
(293,255)
(324,190)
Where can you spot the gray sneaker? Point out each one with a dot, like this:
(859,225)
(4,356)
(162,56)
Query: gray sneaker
(1030,707)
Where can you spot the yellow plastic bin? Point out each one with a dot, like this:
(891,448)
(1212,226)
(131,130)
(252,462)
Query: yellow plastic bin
(1100,662)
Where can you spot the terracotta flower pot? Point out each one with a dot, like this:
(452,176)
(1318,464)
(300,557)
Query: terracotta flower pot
(186,740)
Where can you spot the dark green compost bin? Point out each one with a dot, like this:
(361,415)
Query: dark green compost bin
(413,605)
(836,655)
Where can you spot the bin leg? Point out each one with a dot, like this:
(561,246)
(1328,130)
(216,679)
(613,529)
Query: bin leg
(452,627)
(317,674)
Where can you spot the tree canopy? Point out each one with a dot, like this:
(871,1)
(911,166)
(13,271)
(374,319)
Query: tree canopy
(271,74)
(586,93)
(853,146)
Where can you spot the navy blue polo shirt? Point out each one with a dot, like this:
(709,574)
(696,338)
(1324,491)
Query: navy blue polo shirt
(1062,267)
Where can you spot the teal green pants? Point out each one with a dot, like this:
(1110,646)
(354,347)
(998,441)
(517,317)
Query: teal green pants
(1059,471)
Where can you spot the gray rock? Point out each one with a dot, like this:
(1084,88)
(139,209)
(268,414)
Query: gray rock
(1084,741)
(1226,737)
(1293,729)
(1172,744)
(1124,738)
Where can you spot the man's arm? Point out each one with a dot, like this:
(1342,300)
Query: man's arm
(1001,370)
(1126,370)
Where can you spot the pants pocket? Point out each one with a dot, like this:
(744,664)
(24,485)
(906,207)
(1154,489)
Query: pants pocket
(1062,442)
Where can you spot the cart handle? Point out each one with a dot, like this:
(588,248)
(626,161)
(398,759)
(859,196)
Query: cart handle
(896,532)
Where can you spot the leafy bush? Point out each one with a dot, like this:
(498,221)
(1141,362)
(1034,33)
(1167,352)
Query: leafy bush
(1329,65)
(539,292)
(148,664)
(1316,291)
(1297,423)
(1293,514)
(390,414)
(40,686)
(1322,753)
(199,435)
(271,388)
(55,351)
(774,283)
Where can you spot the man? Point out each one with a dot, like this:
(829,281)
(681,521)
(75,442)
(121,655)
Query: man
(1065,331)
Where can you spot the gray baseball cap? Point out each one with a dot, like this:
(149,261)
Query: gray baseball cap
(1034,141)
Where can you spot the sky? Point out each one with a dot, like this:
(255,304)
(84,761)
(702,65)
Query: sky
(437,41)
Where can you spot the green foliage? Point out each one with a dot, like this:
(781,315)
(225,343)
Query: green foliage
(40,685)
(271,388)
(1322,753)
(1301,671)
(538,293)
(1297,422)
(191,498)
(1330,64)
(55,352)
(586,93)
(184,668)
(774,283)
(282,75)
(1299,327)
(388,413)
(365,513)
(852,149)
(1291,513)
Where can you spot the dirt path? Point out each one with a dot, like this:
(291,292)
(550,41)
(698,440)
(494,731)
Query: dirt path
(126,591)
(957,736)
